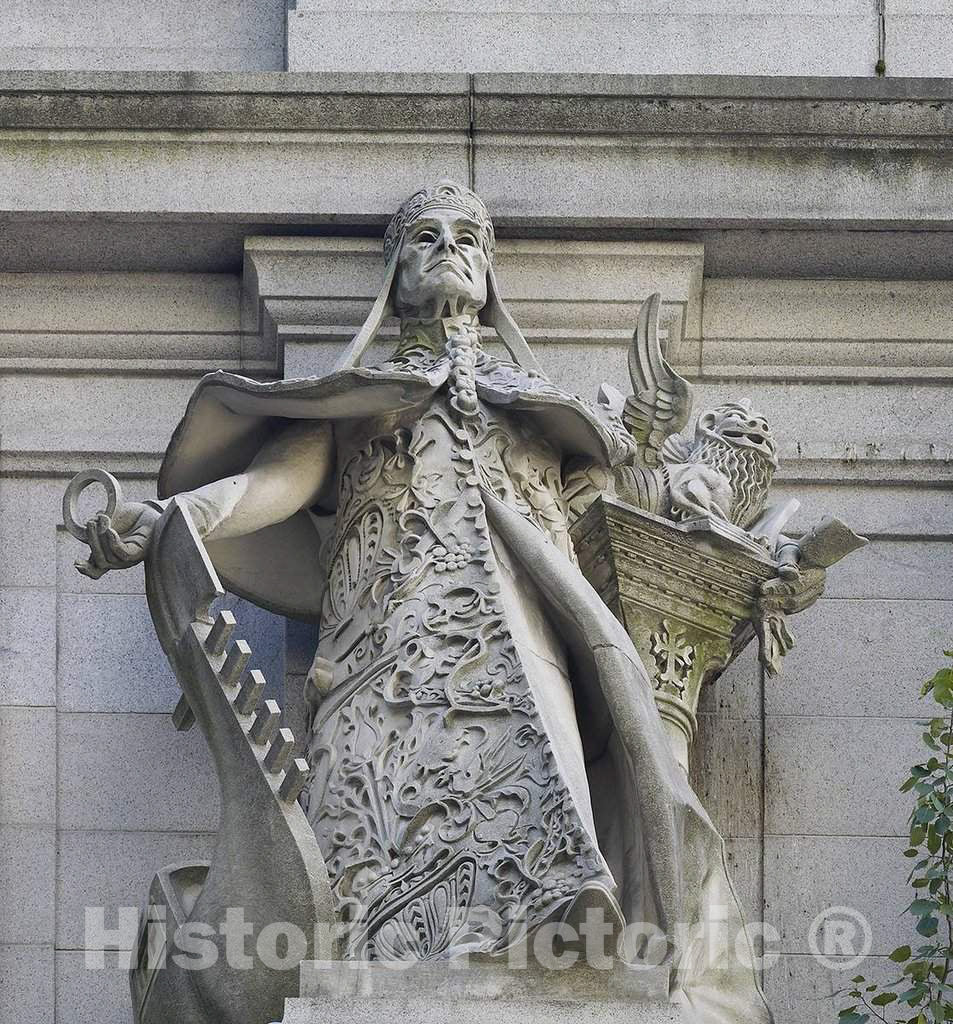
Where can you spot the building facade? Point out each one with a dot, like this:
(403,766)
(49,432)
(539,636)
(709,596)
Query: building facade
(185,189)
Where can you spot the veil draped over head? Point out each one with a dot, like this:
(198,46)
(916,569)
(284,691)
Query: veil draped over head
(444,195)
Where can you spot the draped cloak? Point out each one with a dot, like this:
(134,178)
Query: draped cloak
(490,738)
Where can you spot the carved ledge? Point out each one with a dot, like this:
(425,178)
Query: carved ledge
(476,992)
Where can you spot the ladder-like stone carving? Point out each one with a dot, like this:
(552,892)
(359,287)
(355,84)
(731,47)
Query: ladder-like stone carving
(259,721)
(280,879)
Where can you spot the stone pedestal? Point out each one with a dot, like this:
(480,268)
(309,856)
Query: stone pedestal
(455,993)
(685,592)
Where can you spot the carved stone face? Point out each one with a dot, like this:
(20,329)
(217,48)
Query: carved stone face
(735,424)
(441,270)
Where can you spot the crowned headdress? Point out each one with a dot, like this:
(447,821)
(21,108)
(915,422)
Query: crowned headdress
(445,195)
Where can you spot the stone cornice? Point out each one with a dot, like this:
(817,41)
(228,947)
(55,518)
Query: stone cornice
(858,109)
(860,168)
(166,101)
(862,110)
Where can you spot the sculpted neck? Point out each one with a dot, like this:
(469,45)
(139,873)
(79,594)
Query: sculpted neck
(434,334)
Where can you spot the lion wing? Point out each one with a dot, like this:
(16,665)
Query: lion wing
(661,402)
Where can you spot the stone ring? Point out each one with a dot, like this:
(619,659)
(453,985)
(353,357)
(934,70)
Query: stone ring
(77,485)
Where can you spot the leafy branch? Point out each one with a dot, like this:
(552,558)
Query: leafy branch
(925,986)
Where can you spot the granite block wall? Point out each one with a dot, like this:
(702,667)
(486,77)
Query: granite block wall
(715,37)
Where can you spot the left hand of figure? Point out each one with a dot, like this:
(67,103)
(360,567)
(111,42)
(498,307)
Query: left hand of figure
(698,490)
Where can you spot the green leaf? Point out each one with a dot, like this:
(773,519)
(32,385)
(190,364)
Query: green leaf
(884,999)
(901,954)
(919,972)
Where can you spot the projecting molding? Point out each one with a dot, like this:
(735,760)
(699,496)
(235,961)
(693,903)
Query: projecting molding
(307,296)
(554,154)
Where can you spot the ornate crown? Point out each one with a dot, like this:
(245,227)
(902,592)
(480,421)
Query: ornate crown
(444,195)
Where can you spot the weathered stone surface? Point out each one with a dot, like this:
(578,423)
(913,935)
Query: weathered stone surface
(124,304)
(838,776)
(586,180)
(907,568)
(27,766)
(29,512)
(110,659)
(132,771)
(424,1011)
(884,650)
(28,647)
(807,329)
(131,413)
(737,692)
(745,867)
(170,321)
(717,37)
(27,884)
(742,182)
(919,39)
(803,991)
(314,171)
(591,183)
(248,35)
(26,984)
(208,100)
(133,858)
(86,996)
(884,512)
(525,996)
(807,875)
(726,772)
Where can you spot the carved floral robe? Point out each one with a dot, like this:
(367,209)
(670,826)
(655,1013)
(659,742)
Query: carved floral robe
(450,796)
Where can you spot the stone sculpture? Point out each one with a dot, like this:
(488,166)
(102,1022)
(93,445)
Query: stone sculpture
(484,752)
